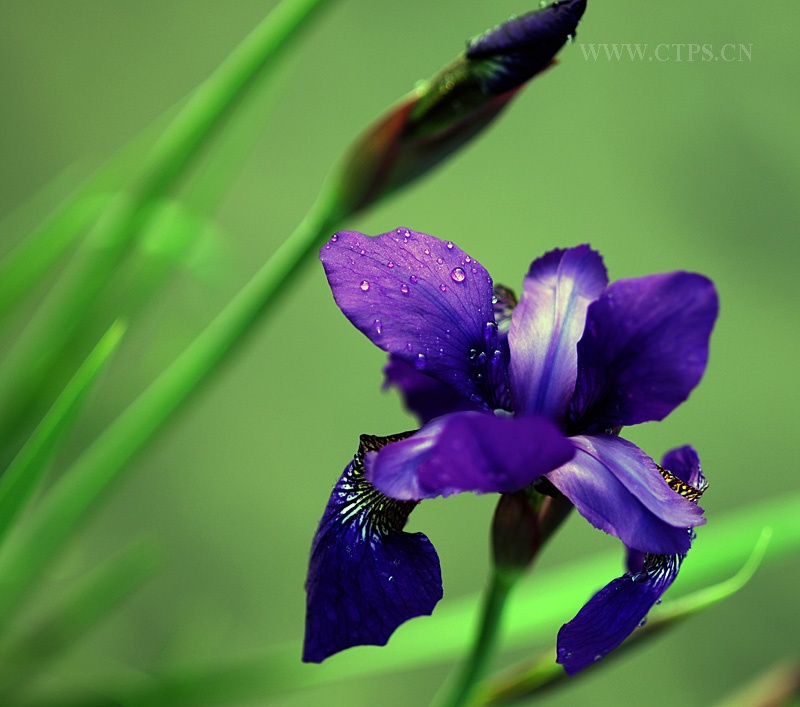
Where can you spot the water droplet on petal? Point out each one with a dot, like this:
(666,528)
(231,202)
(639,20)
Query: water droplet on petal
(420,361)
(482,358)
(643,621)
(413,279)
(468,259)
(427,251)
(390,264)
(378,326)
(404,289)
(443,287)
(449,245)
(335,237)
(440,261)
(362,252)
(364,286)
(598,657)
(458,275)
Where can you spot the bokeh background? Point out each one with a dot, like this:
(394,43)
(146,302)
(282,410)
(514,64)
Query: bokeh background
(660,165)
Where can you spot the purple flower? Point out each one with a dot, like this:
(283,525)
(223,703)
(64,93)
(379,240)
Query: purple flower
(616,610)
(505,400)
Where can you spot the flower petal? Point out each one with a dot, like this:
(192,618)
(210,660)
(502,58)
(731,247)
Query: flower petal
(614,612)
(546,326)
(525,45)
(426,302)
(426,397)
(619,489)
(645,348)
(684,463)
(366,576)
(468,451)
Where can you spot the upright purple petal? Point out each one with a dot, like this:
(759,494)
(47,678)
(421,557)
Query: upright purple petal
(614,612)
(619,489)
(645,348)
(684,463)
(366,576)
(546,326)
(426,302)
(426,397)
(468,451)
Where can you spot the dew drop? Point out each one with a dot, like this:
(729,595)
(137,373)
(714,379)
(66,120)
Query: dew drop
(404,289)
(468,259)
(413,279)
(440,261)
(458,275)
(643,621)
(362,252)
(378,324)
(364,286)
(335,237)
(420,362)
(443,287)
(427,251)
(390,264)
(598,657)
(482,358)
(449,245)
(391,578)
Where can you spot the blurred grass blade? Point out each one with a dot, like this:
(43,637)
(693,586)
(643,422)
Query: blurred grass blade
(774,688)
(182,232)
(522,683)
(24,655)
(23,476)
(44,340)
(83,484)
(536,612)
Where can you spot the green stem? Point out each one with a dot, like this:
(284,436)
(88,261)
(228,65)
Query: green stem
(486,641)
(85,482)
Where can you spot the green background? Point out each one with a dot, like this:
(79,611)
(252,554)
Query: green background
(660,165)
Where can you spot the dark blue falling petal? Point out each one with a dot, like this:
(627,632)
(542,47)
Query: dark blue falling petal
(366,576)
(614,612)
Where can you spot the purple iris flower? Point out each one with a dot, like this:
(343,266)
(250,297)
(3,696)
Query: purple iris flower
(505,400)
